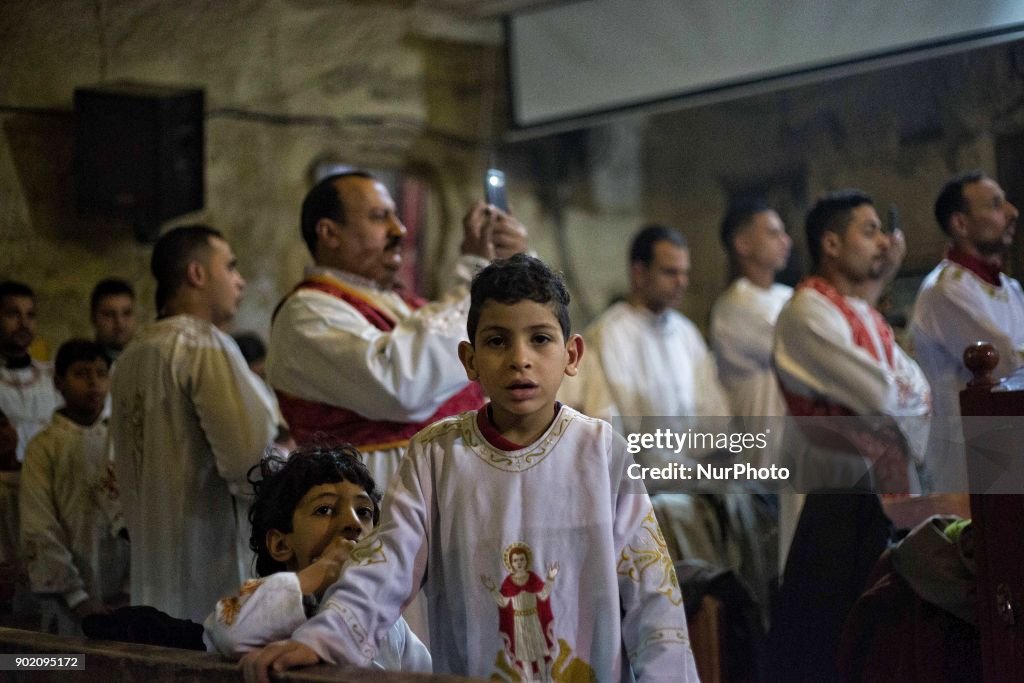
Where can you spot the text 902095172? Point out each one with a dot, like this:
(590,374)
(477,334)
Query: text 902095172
(17,662)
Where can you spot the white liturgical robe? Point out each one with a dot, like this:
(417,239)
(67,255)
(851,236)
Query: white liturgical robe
(954,309)
(641,364)
(742,329)
(189,421)
(817,356)
(476,527)
(70,514)
(269,609)
(820,358)
(324,350)
(28,399)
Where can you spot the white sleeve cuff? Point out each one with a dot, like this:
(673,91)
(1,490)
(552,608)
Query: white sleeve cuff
(75,598)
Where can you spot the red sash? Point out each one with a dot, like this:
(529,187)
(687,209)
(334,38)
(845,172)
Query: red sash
(885,448)
(805,406)
(313,421)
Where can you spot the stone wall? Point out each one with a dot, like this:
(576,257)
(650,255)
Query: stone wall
(288,83)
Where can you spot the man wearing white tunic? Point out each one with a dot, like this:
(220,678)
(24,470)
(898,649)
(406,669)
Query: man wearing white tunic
(836,357)
(742,327)
(189,421)
(646,360)
(27,395)
(354,357)
(72,530)
(743,320)
(27,399)
(967,298)
(521,483)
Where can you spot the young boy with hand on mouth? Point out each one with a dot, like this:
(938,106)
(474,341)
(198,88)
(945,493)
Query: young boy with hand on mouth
(310,508)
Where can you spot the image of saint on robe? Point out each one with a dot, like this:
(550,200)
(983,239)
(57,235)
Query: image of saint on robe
(524,612)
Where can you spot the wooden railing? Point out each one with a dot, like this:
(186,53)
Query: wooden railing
(107,661)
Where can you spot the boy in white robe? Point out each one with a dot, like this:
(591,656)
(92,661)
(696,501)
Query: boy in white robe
(308,511)
(488,502)
(72,531)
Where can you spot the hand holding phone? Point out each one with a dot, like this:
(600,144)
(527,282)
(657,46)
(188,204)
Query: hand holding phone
(489,230)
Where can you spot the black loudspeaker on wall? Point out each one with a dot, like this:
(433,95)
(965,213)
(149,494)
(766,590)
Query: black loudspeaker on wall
(139,153)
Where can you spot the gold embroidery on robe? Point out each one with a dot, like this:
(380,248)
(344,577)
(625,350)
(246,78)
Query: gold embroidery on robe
(108,483)
(567,668)
(230,607)
(369,551)
(516,461)
(649,552)
(661,635)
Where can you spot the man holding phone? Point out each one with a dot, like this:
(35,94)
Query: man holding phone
(352,355)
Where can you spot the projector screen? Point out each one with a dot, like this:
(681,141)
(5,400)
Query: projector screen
(576,60)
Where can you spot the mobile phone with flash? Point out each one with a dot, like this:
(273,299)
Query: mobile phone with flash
(494,189)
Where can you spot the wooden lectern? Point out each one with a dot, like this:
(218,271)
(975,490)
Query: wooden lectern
(998,517)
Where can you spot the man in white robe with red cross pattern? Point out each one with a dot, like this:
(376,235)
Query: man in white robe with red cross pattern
(837,359)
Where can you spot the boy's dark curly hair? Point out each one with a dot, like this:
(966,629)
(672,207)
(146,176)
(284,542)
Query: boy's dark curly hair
(279,483)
